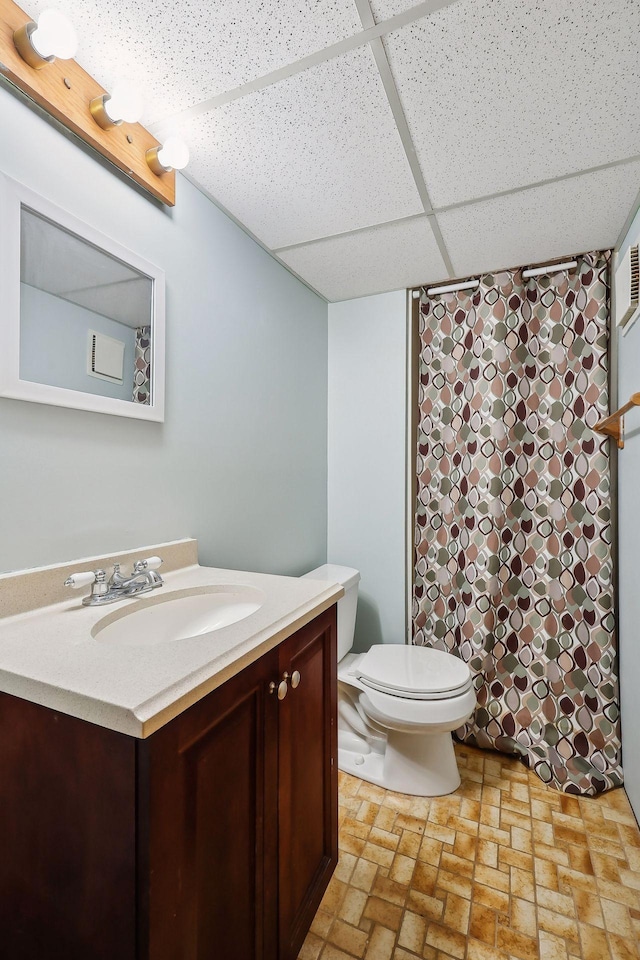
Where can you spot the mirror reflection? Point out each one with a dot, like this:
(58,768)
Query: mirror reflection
(85,316)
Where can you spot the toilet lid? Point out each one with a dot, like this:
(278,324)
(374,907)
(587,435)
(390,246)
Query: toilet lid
(418,673)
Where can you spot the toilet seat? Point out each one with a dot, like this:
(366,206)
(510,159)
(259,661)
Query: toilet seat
(412,673)
(406,714)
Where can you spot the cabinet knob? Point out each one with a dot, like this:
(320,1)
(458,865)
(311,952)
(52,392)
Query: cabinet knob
(281,688)
(295,678)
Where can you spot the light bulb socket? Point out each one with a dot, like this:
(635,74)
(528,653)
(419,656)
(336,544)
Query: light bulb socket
(151,156)
(22,41)
(99,113)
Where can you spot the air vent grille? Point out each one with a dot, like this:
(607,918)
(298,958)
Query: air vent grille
(627,286)
(635,275)
(105,357)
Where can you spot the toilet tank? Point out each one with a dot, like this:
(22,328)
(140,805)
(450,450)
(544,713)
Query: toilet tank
(349,579)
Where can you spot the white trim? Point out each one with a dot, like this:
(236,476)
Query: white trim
(14,195)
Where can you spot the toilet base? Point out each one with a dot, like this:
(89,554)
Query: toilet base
(366,766)
(424,766)
(414,764)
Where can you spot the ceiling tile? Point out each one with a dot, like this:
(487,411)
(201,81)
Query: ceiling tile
(575,215)
(314,155)
(389,257)
(502,93)
(384,9)
(187,52)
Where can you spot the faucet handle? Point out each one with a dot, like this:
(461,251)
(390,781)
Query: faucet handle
(151,563)
(98,581)
(78,580)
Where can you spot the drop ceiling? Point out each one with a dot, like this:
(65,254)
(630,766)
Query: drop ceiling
(372,145)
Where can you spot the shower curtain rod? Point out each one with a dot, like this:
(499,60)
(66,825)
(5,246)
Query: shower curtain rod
(472,284)
(453,287)
(549,268)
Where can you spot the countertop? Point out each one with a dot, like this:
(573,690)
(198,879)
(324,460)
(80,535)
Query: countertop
(49,656)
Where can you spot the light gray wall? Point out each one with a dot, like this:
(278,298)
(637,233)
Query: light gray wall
(53,344)
(366,491)
(241,461)
(628,539)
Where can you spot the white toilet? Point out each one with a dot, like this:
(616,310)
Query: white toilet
(397,705)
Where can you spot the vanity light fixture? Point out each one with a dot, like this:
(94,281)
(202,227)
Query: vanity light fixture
(173,154)
(37,58)
(124,103)
(52,37)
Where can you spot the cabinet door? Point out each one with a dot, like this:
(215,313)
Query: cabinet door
(67,837)
(308,778)
(204,780)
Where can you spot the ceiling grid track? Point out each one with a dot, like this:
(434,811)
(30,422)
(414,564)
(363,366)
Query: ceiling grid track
(372,32)
(382,62)
(538,183)
(393,97)
(382,228)
(403,129)
(350,233)
(483,199)
(245,229)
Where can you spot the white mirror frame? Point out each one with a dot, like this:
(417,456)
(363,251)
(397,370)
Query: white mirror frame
(13,196)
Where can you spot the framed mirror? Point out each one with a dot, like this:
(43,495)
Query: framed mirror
(82,320)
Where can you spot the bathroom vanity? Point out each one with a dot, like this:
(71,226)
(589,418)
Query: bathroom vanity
(210,829)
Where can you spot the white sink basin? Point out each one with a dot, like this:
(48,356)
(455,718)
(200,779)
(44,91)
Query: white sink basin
(181,615)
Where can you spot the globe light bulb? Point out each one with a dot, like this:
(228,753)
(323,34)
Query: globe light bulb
(124,103)
(54,36)
(174,154)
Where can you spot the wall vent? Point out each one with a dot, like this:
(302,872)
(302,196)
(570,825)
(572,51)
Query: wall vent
(627,286)
(105,357)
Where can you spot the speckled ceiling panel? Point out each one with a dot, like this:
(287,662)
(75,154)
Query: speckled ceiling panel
(385,258)
(187,52)
(383,9)
(502,93)
(583,213)
(313,155)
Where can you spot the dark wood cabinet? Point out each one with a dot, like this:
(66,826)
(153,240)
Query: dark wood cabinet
(213,838)
(307,781)
(203,786)
(67,837)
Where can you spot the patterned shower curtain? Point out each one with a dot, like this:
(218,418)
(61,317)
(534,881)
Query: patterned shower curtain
(513,564)
(142,366)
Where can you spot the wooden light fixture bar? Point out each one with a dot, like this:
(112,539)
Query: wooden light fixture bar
(613,426)
(65,91)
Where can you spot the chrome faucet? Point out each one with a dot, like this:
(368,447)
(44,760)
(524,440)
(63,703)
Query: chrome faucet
(143,579)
